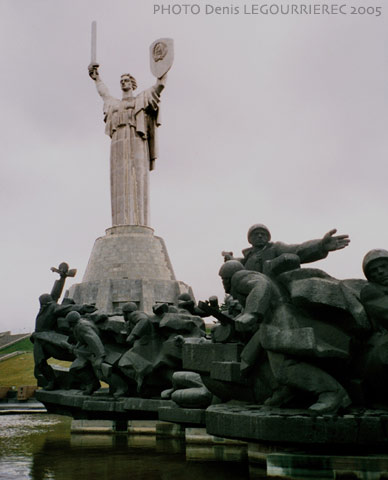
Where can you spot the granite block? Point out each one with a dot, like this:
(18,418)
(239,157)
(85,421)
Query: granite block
(191,416)
(199,357)
(145,404)
(274,425)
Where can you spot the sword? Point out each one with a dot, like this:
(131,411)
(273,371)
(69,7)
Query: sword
(93,60)
(93,66)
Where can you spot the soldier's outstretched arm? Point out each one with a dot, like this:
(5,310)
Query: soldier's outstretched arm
(330,242)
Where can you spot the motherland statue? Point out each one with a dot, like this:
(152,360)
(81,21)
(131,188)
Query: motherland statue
(131,123)
(130,263)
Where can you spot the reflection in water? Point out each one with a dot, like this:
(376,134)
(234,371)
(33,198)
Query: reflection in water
(40,447)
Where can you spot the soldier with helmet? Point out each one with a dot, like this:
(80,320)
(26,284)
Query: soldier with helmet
(374,295)
(372,361)
(47,339)
(259,257)
(252,281)
(266,303)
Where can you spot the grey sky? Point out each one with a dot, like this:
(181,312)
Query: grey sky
(273,119)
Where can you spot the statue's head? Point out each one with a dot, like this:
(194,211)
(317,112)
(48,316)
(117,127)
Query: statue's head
(45,299)
(72,318)
(128,308)
(375,266)
(227,271)
(185,297)
(127,82)
(258,235)
(185,300)
(100,318)
(160,309)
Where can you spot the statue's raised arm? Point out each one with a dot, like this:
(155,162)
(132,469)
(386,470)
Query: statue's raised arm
(102,89)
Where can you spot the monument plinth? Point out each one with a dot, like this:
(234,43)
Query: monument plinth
(129,263)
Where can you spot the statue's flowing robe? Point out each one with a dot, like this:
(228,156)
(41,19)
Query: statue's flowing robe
(131,124)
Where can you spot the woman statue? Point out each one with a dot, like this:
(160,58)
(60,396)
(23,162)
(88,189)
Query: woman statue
(131,124)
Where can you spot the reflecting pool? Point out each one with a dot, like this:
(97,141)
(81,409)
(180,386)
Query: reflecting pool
(40,447)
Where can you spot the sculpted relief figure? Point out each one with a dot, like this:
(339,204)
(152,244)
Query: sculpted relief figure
(50,335)
(295,350)
(261,256)
(374,296)
(308,339)
(290,343)
(272,259)
(131,124)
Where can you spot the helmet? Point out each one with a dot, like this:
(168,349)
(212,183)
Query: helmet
(100,318)
(371,256)
(160,308)
(258,226)
(185,297)
(229,268)
(129,307)
(73,317)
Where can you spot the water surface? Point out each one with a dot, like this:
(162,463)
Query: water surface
(40,447)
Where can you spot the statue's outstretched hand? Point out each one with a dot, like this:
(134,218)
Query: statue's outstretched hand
(161,83)
(331,243)
(93,70)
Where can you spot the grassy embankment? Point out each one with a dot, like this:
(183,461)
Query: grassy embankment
(19,370)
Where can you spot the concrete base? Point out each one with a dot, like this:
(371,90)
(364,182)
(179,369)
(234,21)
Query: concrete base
(128,264)
(100,405)
(366,430)
(183,416)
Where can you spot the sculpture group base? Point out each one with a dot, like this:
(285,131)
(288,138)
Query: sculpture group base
(100,405)
(365,431)
(128,264)
(362,431)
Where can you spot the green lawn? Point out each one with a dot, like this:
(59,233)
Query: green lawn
(23,345)
(19,370)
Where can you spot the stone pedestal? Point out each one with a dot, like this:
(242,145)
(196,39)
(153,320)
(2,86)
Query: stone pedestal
(128,264)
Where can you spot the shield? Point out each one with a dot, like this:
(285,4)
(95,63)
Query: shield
(161,56)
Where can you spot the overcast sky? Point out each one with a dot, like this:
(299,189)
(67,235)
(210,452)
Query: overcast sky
(275,119)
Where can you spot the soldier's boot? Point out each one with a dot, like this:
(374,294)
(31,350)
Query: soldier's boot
(331,402)
(46,371)
(280,397)
(119,387)
(91,388)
